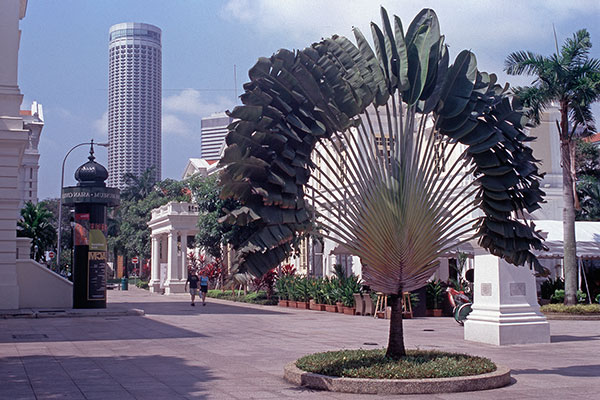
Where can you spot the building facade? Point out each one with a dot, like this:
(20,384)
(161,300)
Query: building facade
(213,132)
(33,122)
(134,101)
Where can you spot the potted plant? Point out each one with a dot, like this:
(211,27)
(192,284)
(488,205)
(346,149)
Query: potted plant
(350,285)
(281,288)
(329,294)
(435,296)
(302,292)
(291,289)
(317,300)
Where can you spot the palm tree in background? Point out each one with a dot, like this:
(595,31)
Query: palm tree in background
(36,223)
(572,79)
(139,186)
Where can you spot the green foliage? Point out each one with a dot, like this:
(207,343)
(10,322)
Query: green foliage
(435,293)
(598,298)
(559,296)
(142,284)
(587,166)
(253,298)
(316,287)
(549,286)
(212,232)
(373,364)
(36,223)
(301,289)
(128,231)
(576,309)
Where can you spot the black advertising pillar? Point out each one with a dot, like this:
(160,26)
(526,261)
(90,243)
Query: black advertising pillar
(90,198)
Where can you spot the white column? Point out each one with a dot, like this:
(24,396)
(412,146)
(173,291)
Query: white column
(183,269)
(13,139)
(505,308)
(173,284)
(154,283)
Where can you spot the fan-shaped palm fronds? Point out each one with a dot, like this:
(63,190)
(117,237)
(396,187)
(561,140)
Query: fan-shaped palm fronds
(395,148)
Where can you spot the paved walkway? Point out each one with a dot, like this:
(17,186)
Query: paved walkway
(234,351)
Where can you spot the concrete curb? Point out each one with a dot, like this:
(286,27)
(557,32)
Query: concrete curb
(69,313)
(573,317)
(492,380)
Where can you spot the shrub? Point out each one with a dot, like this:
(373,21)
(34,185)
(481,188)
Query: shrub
(559,296)
(266,282)
(576,309)
(549,286)
(142,284)
(598,298)
(253,298)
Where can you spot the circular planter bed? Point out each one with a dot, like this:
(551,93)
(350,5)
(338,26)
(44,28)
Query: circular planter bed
(368,372)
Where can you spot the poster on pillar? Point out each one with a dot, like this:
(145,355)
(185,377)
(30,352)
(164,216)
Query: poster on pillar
(96,288)
(82,227)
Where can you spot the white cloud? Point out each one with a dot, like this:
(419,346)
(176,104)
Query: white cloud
(490,28)
(193,102)
(101,125)
(172,124)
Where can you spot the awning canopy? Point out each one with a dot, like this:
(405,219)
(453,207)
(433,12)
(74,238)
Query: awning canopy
(587,234)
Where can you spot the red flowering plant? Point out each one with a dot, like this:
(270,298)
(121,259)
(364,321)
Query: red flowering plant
(212,271)
(266,282)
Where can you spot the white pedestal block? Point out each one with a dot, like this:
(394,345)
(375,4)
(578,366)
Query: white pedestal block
(174,286)
(505,307)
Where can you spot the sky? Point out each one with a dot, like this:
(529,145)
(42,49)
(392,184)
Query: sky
(63,57)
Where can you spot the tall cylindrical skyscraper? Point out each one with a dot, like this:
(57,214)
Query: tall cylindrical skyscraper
(134,101)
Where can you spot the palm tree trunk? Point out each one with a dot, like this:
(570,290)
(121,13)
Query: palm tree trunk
(570,250)
(570,255)
(395,347)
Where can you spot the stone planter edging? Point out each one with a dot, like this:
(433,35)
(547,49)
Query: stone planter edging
(492,380)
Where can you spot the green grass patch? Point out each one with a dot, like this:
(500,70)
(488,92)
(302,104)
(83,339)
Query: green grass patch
(576,309)
(373,364)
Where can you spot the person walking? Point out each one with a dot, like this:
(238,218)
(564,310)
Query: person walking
(193,281)
(203,287)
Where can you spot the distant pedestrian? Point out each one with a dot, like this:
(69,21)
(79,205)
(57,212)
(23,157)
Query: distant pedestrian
(203,287)
(193,281)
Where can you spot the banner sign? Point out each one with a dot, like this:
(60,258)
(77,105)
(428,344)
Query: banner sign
(78,194)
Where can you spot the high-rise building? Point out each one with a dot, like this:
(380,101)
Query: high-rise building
(213,132)
(134,101)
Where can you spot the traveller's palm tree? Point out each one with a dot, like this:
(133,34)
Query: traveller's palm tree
(572,79)
(36,223)
(391,151)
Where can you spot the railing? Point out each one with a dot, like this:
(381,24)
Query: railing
(174,208)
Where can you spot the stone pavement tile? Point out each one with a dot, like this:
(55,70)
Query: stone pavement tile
(59,394)
(143,394)
(13,392)
(107,394)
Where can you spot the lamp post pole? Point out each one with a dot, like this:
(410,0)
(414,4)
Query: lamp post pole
(62,185)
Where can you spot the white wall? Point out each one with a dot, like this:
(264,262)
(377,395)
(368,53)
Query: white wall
(39,287)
